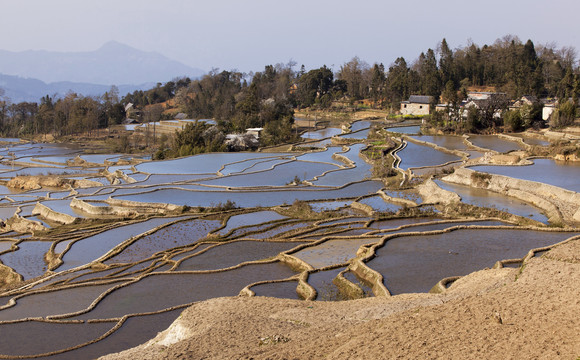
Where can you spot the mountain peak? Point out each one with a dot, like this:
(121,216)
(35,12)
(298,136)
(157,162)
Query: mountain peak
(113,43)
(113,63)
(114,46)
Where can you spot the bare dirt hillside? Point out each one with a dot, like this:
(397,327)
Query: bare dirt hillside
(509,313)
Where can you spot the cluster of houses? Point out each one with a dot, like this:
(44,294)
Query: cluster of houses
(419,105)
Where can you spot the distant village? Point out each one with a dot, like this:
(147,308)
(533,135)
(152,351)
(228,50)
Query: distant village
(419,105)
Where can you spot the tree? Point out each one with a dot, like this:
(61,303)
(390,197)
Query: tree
(426,67)
(4,103)
(355,73)
(46,115)
(397,82)
(564,114)
(152,115)
(446,63)
(513,120)
(313,85)
(377,85)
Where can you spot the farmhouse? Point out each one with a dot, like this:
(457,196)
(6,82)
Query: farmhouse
(416,105)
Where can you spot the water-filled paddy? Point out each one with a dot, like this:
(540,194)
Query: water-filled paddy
(254,165)
(135,331)
(485,198)
(329,205)
(379,204)
(86,250)
(409,130)
(24,336)
(199,164)
(179,234)
(532,141)
(280,175)
(321,281)
(564,175)
(182,289)
(417,263)
(493,142)
(54,303)
(414,155)
(250,219)
(321,134)
(28,260)
(281,290)
(450,142)
(234,253)
(332,252)
(251,199)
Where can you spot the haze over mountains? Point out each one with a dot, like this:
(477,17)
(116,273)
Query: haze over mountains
(29,75)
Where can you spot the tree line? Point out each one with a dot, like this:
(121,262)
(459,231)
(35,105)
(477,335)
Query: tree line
(268,98)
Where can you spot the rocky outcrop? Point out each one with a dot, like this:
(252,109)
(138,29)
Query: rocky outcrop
(38,182)
(23,225)
(433,194)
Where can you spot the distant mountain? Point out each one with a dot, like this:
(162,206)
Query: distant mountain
(19,89)
(113,64)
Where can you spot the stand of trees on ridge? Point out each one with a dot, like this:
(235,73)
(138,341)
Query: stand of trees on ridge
(268,98)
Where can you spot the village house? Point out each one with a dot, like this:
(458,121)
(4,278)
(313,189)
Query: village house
(240,142)
(416,105)
(528,100)
(548,109)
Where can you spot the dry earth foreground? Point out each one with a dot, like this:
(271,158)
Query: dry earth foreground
(529,312)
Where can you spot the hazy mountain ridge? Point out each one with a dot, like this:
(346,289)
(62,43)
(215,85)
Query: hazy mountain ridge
(85,72)
(19,89)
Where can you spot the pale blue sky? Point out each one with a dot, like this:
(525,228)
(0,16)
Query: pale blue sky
(248,34)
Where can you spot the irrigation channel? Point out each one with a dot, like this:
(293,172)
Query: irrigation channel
(109,261)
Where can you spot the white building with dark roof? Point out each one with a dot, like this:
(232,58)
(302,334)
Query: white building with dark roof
(416,105)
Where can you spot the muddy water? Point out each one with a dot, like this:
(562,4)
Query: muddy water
(450,142)
(409,130)
(250,219)
(279,230)
(379,204)
(329,205)
(28,260)
(414,155)
(254,165)
(332,252)
(84,251)
(322,282)
(481,197)
(135,331)
(321,134)
(24,337)
(179,234)
(199,164)
(231,254)
(54,303)
(280,290)
(493,142)
(251,199)
(176,289)
(417,263)
(280,175)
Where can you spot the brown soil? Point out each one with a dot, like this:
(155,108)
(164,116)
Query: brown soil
(528,313)
(51,181)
